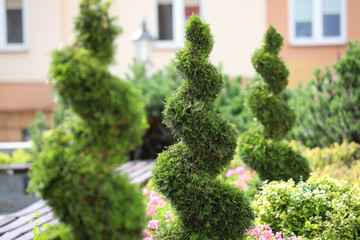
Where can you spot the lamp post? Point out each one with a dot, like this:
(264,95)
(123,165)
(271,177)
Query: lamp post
(144,44)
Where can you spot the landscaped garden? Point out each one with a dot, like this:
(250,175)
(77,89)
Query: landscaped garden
(264,162)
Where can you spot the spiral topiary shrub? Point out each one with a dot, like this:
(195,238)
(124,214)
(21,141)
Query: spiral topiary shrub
(75,170)
(261,147)
(186,173)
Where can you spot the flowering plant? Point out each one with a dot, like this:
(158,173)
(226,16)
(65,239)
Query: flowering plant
(159,214)
(240,177)
(264,232)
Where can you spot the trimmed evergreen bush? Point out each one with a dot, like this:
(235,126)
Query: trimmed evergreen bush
(186,173)
(261,147)
(75,170)
(320,208)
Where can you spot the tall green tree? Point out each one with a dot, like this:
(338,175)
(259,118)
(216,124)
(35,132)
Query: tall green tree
(75,170)
(186,173)
(261,147)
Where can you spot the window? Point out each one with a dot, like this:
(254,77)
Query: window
(317,22)
(12,25)
(170,18)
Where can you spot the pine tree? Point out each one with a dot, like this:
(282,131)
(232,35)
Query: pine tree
(261,147)
(75,170)
(186,173)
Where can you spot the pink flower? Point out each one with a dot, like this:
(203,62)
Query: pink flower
(168,214)
(153,224)
(333,92)
(278,236)
(243,178)
(148,238)
(327,95)
(230,173)
(145,192)
(315,98)
(146,232)
(239,170)
(236,184)
(243,186)
(150,213)
(344,94)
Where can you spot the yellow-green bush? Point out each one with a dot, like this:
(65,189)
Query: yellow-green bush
(341,161)
(19,156)
(345,153)
(5,158)
(320,208)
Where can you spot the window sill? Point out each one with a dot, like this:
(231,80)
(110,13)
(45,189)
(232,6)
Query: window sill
(11,49)
(168,45)
(311,42)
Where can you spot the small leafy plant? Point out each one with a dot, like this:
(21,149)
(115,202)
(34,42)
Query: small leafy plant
(38,229)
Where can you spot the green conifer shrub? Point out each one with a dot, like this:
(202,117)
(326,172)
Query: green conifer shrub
(328,107)
(261,147)
(186,173)
(75,170)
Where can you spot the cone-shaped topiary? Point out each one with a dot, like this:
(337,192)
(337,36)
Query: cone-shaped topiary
(261,147)
(186,172)
(75,170)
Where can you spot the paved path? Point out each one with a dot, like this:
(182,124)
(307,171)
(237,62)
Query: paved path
(16,225)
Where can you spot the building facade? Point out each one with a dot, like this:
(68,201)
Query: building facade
(315,33)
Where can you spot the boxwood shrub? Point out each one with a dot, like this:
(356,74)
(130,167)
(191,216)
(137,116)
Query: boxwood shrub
(320,208)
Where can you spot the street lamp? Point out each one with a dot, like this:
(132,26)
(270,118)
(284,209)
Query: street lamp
(144,44)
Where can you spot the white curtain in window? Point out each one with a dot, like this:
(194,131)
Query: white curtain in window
(303,10)
(331,6)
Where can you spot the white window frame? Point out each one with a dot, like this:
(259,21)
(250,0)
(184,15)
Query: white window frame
(178,7)
(317,38)
(13,47)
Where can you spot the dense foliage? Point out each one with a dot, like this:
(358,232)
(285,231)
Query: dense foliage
(328,108)
(18,156)
(36,130)
(153,91)
(75,170)
(186,173)
(261,147)
(230,104)
(340,161)
(320,208)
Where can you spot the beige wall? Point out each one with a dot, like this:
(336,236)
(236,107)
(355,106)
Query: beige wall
(32,65)
(238,27)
